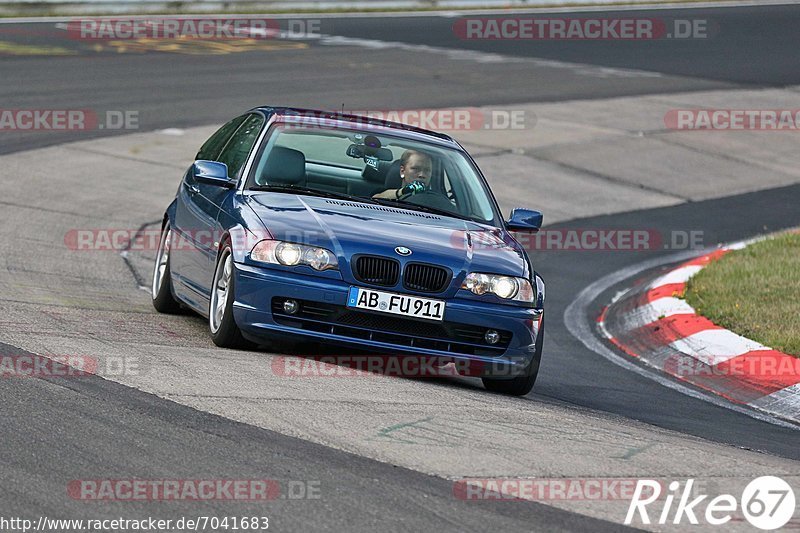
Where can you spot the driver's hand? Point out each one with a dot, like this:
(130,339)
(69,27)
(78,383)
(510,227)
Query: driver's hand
(412,188)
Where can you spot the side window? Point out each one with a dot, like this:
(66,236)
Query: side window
(238,148)
(213,146)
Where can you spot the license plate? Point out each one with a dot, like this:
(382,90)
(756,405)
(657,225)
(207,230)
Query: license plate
(395,304)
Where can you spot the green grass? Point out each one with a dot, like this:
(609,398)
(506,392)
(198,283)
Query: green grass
(754,292)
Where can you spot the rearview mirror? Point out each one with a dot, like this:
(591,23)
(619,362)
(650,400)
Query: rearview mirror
(212,173)
(384,154)
(359,151)
(525,220)
(355,151)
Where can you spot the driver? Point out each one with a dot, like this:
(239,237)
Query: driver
(415,171)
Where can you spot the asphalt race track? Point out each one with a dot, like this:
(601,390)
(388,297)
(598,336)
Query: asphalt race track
(202,412)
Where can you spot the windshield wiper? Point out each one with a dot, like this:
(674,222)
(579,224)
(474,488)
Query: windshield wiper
(416,207)
(298,189)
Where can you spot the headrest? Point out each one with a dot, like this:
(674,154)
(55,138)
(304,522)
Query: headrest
(376,175)
(284,166)
(393,179)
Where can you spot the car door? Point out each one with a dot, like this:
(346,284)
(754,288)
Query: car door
(234,155)
(195,220)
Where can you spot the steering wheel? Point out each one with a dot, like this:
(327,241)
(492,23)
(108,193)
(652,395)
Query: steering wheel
(425,191)
(430,198)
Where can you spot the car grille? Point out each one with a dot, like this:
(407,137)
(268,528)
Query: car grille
(376,270)
(426,278)
(445,336)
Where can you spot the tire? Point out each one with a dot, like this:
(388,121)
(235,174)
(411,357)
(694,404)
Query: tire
(224,331)
(520,385)
(161,287)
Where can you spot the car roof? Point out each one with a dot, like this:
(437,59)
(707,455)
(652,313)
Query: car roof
(357,122)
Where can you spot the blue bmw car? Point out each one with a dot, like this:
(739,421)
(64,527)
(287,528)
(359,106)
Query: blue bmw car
(306,225)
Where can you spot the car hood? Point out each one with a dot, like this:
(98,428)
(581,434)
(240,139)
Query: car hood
(349,228)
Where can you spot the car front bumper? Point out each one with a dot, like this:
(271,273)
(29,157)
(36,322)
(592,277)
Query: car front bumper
(258,289)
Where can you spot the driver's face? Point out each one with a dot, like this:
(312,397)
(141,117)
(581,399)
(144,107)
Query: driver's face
(418,168)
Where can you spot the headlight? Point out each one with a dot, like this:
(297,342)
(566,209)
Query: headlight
(318,258)
(291,254)
(505,287)
(288,254)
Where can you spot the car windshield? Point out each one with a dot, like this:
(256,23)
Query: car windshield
(374,166)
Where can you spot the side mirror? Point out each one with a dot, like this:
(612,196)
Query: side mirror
(212,173)
(525,220)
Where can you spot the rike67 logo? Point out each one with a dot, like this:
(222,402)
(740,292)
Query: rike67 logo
(767,503)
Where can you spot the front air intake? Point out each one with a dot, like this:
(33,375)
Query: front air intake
(426,278)
(376,270)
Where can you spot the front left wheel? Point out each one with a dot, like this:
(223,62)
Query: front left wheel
(161,289)
(224,331)
(521,385)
